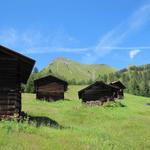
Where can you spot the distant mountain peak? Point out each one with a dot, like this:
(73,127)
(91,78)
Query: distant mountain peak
(61,59)
(73,71)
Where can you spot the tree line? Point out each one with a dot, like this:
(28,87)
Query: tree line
(135,78)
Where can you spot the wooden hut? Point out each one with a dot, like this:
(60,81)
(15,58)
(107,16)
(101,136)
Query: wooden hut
(98,92)
(14,70)
(120,92)
(50,88)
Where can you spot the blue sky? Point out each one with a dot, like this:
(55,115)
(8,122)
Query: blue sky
(112,32)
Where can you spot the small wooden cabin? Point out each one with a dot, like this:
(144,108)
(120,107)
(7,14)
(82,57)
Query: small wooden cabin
(50,88)
(99,91)
(15,69)
(120,92)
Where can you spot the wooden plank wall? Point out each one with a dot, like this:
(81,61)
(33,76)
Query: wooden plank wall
(50,91)
(8,73)
(51,87)
(94,95)
(10,103)
(50,96)
(10,96)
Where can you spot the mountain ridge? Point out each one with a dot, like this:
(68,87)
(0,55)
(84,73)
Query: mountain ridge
(75,72)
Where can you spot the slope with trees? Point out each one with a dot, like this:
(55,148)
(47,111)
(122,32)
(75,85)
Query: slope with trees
(135,78)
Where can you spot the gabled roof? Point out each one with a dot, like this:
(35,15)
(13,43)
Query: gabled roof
(118,84)
(49,78)
(97,83)
(26,63)
(16,55)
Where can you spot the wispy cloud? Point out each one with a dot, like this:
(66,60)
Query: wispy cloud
(8,37)
(34,42)
(133,53)
(140,17)
(127,48)
(50,49)
(116,36)
(13,38)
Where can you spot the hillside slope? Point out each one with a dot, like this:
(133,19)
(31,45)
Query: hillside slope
(75,72)
(135,78)
(84,127)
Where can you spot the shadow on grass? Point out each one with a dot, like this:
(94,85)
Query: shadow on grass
(148,104)
(40,121)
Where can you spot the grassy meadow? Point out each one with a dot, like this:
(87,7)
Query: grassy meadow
(70,125)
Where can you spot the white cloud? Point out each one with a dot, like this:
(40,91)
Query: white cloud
(30,41)
(133,53)
(14,38)
(116,36)
(59,41)
(50,49)
(140,17)
(127,48)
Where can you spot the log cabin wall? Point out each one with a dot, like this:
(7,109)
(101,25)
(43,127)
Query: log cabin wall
(94,95)
(50,88)
(120,87)
(99,91)
(50,96)
(50,91)
(10,95)
(120,94)
(15,69)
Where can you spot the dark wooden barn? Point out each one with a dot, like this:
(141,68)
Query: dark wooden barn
(120,92)
(50,88)
(14,70)
(99,92)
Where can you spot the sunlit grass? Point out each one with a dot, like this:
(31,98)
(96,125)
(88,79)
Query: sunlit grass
(84,127)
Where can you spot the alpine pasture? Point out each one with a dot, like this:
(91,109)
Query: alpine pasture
(69,124)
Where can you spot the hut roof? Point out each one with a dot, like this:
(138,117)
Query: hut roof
(118,84)
(50,78)
(95,85)
(26,63)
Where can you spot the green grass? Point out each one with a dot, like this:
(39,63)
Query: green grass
(84,127)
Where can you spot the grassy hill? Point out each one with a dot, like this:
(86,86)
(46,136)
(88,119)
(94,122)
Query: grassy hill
(75,72)
(84,127)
